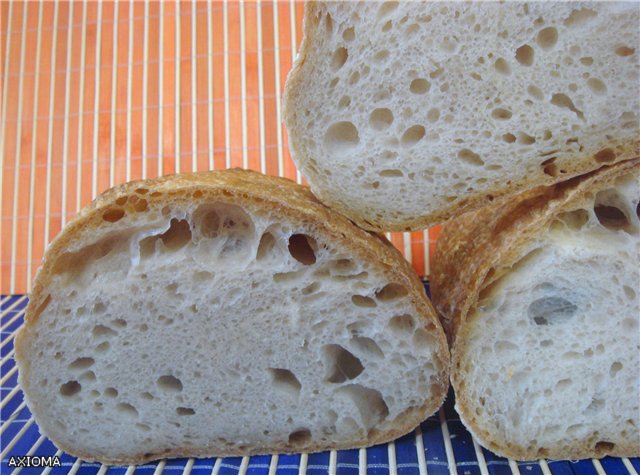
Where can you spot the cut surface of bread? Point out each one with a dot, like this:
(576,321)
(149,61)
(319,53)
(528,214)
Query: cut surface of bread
(402,114)
(542,301)
(225,313)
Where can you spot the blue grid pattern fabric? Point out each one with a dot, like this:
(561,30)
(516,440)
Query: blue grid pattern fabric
(439,446)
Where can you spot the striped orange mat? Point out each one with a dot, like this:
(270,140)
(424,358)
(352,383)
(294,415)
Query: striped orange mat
(95,94)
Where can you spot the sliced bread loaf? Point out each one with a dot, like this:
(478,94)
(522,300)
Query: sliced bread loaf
(542,301)
(403,114)
(225,313)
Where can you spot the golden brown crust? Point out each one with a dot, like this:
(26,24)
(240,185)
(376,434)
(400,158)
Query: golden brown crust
(476,249)
(579,163)
(262,194)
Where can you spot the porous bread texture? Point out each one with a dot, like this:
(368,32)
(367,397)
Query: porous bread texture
(220,314)
(546,352)
(404,114)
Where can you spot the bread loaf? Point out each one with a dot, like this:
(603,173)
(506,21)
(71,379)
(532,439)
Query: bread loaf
(403,114)
(225,313)
(541,300)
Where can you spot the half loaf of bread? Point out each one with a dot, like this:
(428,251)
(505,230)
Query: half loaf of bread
(225,313)
(542,300)
(402,114)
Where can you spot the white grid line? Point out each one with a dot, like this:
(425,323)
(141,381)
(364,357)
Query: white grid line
(243,86)
(176,91)
(31,451)
(544,467)
(161,94)
(4,402)
(5,89)
(227,132)
(242,469)
(80,136)
(210,124)
(302,468)
(52,84)
(513,465)
(34,129)
(8,374)
(18,153)
(391,454)
(422,463)
(145,79)
(8,310)
(188,467)
(484,470)
(276,41)
(114,89)
(294,47)
(216,467)
(67,98)
(129,93)
(629,467)
(263,157)
(273,464)
(160,468)
(16,438)
(194,83)
(598,466)
(451,461)
(48,469)
(96,103)
(427,251)
(76,464)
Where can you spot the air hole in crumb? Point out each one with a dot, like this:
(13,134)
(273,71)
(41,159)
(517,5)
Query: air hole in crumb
(341,136)
(547,37)
(70,388)
(102,330)
(141,206)
(509,138)
(611,217)
(575,220)
(169,383)
(525,55)
(615,367)
(526,139)
(597,86)
(381,56)
(341,364)
(367,346)
(501,114)
(185,411)
(603,447)
(579,17)
(119,322)
(349,34)
(470,157)
(82,363)
(301,247)
(266,246)
(339,57)
(551,310)
(285,381)
(433,115)
(391,173)
(311,288)
(629,292)
(402,323)
(412,135)
(381,118)
(386,9)
(102,347)
(111,392)
(371,405)
(363,301)
(419,86)
(391,292)
(535,92)
(174,238)
(300,437)
(606,155)
(625,51)
(113,214)
(562,100)
(127,409)
(147,395)
(502,66)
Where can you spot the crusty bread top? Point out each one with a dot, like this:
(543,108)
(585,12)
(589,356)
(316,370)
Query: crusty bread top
(276,198)
(399,126)
(477,248)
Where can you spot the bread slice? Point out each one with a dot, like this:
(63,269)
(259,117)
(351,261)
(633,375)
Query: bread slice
(541,298)
(225,313)
(403,114)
